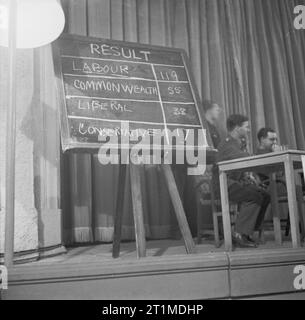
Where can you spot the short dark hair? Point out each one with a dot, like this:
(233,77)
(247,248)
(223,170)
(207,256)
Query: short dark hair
(263,133)
(208,104)
(236,120)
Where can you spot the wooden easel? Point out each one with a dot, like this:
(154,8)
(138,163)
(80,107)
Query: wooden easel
(138,210)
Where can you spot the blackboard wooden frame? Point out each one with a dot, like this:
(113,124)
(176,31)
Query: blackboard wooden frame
(68,144)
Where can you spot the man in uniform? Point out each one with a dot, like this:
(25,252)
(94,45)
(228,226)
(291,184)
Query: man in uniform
(212,113)
(242,188)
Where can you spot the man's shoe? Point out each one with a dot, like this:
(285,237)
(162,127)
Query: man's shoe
(242,242)
(250,239)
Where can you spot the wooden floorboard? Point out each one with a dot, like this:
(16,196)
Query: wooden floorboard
(155,248)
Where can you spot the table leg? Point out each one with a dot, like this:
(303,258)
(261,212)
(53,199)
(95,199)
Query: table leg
(303,165)
(275,210)
(302,198)
(301,204)
(225,210)
(292,203)
(301,208)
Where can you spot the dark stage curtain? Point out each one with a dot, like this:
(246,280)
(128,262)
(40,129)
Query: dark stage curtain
(245,54)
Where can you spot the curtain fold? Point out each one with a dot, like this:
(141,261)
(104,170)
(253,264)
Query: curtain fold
(244,54)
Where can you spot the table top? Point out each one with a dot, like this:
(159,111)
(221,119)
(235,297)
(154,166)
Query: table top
(270,158)
(264,156)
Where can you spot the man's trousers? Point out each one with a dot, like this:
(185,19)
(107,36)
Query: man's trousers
(253,203)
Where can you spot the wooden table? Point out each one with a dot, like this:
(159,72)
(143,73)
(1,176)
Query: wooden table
(286,161)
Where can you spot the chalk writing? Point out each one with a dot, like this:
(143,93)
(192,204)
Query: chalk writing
(99,85)
(99,68)
(128,53)
(106,82)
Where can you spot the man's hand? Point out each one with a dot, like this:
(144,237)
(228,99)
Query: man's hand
(276,148)
(252,178)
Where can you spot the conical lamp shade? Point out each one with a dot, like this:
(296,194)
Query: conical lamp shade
(39,22)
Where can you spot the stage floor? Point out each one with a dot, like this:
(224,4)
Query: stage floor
(154,248)
(167,272)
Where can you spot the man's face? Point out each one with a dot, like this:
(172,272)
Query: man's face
(243,130)
(215,111)
(269,142)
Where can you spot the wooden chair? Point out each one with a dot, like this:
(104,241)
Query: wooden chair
(301,206)
(206,197)
(301,209)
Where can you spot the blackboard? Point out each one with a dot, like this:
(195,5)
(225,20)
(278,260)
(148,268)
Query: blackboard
(103,83)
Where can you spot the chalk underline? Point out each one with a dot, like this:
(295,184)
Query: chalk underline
(135,121)
(120,99)
(118,60)
(120,78)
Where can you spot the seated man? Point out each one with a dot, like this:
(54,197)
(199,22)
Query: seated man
(267,142)
(267,139)
(242,188)
(212,114)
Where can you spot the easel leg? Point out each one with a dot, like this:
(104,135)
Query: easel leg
(199,220)
(119,213)
(178,207)
(137,210)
